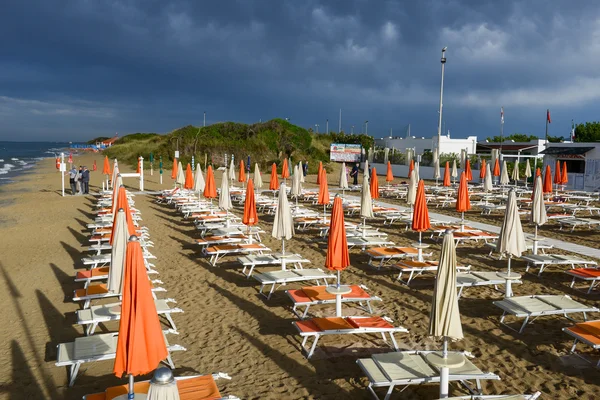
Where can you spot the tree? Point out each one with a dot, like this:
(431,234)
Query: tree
(588,132)
(555,139)
(517,137)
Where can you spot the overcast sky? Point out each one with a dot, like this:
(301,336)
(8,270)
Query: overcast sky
(73,70)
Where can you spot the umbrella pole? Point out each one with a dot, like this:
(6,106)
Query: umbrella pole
(324,208)
(364,233)
(535,240)
(130,393)
(444,372)
(338,298)
(508,280)
(462,221)
(283,254)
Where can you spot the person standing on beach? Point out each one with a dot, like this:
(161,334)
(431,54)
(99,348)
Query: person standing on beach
(305,168)
(354,174)
(78,180)
(85,181)
(72,177)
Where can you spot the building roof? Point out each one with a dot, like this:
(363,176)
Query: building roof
(516,146)
(563,150)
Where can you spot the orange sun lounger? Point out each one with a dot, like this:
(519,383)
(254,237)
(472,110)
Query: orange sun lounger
(585,332)
(386,254)
(100,291)
(313,295)
(591,275)
(218,252)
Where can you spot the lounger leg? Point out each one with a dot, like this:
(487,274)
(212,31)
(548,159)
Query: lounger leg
(312,349)
(74,370)
(86,304)
(271,292)
(460,292)
(305,312)
(394,341)
(171,322)
(170,361)
(574,346)
(541,269)
(369,307)
(524,324)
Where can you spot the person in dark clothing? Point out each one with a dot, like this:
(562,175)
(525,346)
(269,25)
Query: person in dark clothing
(85,180)
(305,168)
(354,174)
(72,176)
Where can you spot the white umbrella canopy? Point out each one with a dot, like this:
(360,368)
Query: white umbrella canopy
(116,186)
(231,170)
(527,169)
(117,254)
(114,173)
(454,172)
(504,174)
(343,177)
(487,181)
(436,165)
(296,188)
(301,170)
(511,240)
(538,208)
(515,172)
(366,202)
(417,167)
(412,188)
(366,171)
(283,224)
(199,180)
(180,180)
(258,183)
(224,197)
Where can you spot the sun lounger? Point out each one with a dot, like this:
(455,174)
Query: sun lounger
(460,237)
(100,291)
(415,268)
(480,278)
(95,315)
(532,307)
(314,295)
(277,259)
(364,242)
(585,332)
(543,261)
(104,259)
(578,222)
(411,368)
(95,348)
(386,254)
(218,252)
(534,396)
(279,278)
(317,327)
(196,387)
(541,246)
(591,275)
(217,240)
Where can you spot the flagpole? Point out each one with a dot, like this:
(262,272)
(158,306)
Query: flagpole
(501,127)
(547,113)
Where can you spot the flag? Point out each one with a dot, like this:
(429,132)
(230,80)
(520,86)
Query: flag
(548,116)
(502,115)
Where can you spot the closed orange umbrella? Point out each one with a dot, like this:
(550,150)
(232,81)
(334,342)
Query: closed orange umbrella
(138,169)
(463,203)
(319,172)
(420,222)
(242,174)
(338,258)
(496,168)
(374,183)
(564,178)
(250,216)
(447,175)
(411,167)
(538,172)
(210,188)
(482,170)
(174,170)
(547,180)
(285,170)
(323,197)
(468,172)
(94,166)
(557,174)
(106,167)
(274,184)
(189,178)
(390,175)
(124,204)
(140,345)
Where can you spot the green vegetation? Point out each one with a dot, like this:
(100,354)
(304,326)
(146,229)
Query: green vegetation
(588,132)
(517,137)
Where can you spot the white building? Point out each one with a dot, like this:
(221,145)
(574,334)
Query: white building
(583,163)
(421,144)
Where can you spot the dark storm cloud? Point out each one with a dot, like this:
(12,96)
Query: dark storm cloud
(82,68)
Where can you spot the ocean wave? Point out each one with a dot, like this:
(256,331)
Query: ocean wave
(15,159)
(7,167)
(1,160)
(21,162)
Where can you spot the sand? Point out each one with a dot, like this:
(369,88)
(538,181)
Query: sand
(228,327)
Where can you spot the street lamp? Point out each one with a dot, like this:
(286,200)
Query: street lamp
(367,128)
(327,126)
(352,130)
(443,61)
(204,124)
(317,126)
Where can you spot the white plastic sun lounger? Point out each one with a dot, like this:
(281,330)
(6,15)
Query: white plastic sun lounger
(387,254)
(543,261)
(317,327)
(95,315)
(216,253)
(480,278)
(101,274)
(277,259)
(95,348)
(415,268)
(577,222)
(369,241)
(100,291)
(315,295)
(279,278)
(532,307)
(104,259)
(411,368)
(541,246)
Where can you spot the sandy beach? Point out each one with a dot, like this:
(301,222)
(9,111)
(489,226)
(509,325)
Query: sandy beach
(227,327)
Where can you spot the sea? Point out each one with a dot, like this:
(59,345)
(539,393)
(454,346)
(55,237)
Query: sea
(17,158)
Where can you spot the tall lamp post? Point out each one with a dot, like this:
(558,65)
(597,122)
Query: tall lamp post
(327,126)
(204,123)
(317,126)
(367,128)
(443,60)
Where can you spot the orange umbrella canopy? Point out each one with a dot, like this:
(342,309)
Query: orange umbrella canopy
(323,189)
(140,345)
(210,188)
(124,204)
(337,258)
(538,172)
(106,167)
(374,184)
(482,170)
(174,170)
(447,175)
(420,222)
(285,169)
(189,178)
(242,174)
(390,175)
(463,203)
(411,167)
(250,217)
(547,180)
(496,168)
(139,167)
(557,174)
(274,184)
(564,178)
(468,172)
(319,172)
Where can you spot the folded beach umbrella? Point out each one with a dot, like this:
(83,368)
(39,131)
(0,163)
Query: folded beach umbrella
(285,170)
(366,171)
(180,180)
(468,172)
(444,320)
(487,181)
(538,215)
(189,178)
(447,175)
(454,172)
(548,180)
(557,174)
(140,344)
(296,189)
(374,184)
(417,168)
(412,189)
(163,386)
(366,203)
(123,203)
(115,172)
(117,257)
(337,258)
(242,173)
(564,178)
(199,180)
(115,194)
(301,170)
(258,183)
(463,203)
(250,216)
(283,224)
(497,167)
(231,170)
(323,197)
(420,220)
(511,240)
(274,182)
(139,167)
(482,170)
(389,176)
(436,165)
(343,178)
(411,167)
(210,188)
(106,167)
(527,170)
(515,172)
(319,172)
(504,180)
(224,196)
(174,170)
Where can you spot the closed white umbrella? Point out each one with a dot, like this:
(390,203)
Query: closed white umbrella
(115,173)
(436,166)
(296,189)
(343,179)
(515,172)
(117,254)
(163,386)
(366,203)
(511,240)
(538,215)
(116,186)
(366,171)
(231,170)
(417,167)
(199,181)
(412,189)
(283,224)
(258,183)
(180,179)
(444,320)
(301,169)
(224,196)
(487,181)
(454,172)
(528,173)
(504,174)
